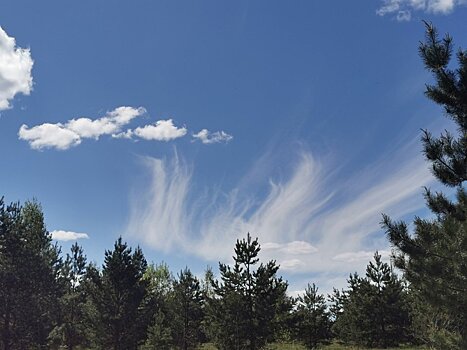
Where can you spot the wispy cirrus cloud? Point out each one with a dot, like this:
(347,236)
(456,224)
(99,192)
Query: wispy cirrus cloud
(307,222)
(402,10)
(360,256)
(61,235)
(207,137)
(15,70)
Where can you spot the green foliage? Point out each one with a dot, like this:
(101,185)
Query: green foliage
(159,300)
(432,326)
(187,310)
(248,299)
(72,328)
(29,277)
(434,257)
(373,311)
(312,318)
(117,298)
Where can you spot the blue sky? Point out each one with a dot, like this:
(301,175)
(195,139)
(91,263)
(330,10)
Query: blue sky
(182,125)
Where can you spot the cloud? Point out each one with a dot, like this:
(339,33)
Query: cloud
(207,137)
(109,124)
(49,136)
(308,222)
(162,130)
(293,248)
(402,9)
(404,16)
(15,70)
(360,256)
(60,235)
(63,136)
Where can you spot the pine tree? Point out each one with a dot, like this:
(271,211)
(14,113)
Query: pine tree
(248,299)
(209,306)
(373,311)
(29,277)
(312,318)
(160,301)
(434,257)
(117,295)
(72,328)
(188,313)
(388,307)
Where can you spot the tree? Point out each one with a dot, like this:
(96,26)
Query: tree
(209,305)
(188,312)
(72,329)
(388,303)
(29,277)
(434,256)
(373,311)
(247,299)
(117,295)
(159,300)
(313,324)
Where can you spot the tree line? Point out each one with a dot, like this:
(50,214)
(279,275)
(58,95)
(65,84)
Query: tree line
(50,300)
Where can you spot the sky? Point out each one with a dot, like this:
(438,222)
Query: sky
(183,125)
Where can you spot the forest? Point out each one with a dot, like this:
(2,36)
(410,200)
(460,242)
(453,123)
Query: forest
(51,299)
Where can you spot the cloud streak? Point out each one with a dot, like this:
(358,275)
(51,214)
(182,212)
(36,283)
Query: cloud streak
(15,70)
(307,222)
(402,10)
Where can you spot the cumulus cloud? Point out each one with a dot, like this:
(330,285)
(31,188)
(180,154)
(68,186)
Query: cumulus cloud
(402,9)
(49,136)
(162,130)
(60,235)
(306,222)
(15,70)
(109,124)
(206,137)
(63,136)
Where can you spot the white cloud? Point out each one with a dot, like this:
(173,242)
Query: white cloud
(162,130)
(15,70)
(63,136)
(207,137)
(293,248)
(404,16)
(308,223)
(49,136)
(60,235)
(402,9)
(109,124)
(291,264)
(361,256)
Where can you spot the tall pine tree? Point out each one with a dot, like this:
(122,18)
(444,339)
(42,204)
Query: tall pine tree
(188,310)
(117,295)
(248,299)
(434,256)
(29,277)
(72,328)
